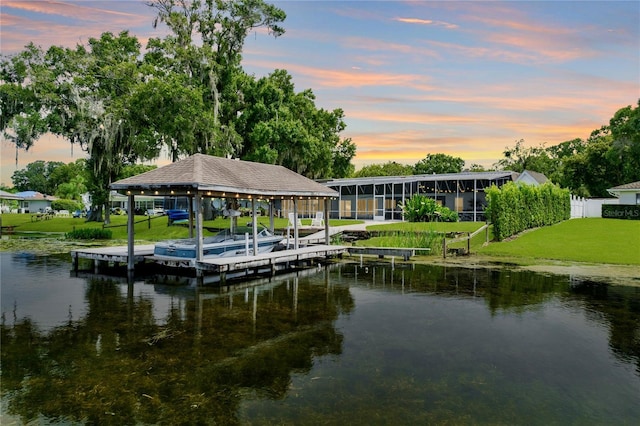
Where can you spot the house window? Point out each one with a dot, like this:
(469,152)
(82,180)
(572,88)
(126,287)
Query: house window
(638,198)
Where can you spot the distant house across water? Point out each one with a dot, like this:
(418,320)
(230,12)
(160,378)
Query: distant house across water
(34,202)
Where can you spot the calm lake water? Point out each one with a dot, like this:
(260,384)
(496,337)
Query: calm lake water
(342,344)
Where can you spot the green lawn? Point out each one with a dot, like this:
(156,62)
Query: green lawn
(591,240)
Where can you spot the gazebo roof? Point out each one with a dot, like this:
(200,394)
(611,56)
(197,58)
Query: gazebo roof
(219,177)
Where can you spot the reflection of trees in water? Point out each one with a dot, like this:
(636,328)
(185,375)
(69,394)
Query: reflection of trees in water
(502,289)
(118,366)
(515,291)
(619,306)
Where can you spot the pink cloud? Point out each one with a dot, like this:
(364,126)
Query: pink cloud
(69,10)
(420,21)
(376,45)
(68,25)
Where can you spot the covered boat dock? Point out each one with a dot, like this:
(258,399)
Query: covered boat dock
(200,177)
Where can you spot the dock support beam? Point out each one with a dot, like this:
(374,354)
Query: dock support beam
(199,238)
(74,261)
(296,243)
(254,225)
(131,261)
(327,241)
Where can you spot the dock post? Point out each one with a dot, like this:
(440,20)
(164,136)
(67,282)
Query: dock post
(131,261)
(295,224)
(327,236)
(74,261)
(444,247)
(254,225)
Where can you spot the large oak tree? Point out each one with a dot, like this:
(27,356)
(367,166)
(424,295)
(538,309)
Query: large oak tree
(188,93)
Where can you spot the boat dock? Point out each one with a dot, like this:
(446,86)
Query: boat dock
(264,263)
(218,269)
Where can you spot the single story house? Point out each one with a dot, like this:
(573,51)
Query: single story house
(381,198)
(34,202)
(628,193)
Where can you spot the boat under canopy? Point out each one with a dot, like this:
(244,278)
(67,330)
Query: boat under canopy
(223,244)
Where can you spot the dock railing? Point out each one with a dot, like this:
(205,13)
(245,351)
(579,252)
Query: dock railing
(467,238)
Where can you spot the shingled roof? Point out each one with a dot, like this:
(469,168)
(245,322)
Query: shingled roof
(626,186)
(217,176)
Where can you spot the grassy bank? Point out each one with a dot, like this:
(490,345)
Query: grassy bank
(591,240)
(417,234)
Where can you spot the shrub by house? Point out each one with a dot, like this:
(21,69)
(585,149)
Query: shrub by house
(420,208)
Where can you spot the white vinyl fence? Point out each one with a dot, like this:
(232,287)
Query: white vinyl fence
(589,207)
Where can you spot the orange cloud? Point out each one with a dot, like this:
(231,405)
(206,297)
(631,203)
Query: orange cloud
(410,147)
(348,77)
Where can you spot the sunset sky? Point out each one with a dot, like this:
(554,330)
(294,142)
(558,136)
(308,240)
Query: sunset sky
(413,77)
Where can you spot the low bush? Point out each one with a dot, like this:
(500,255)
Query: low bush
(89,234)
(68,205)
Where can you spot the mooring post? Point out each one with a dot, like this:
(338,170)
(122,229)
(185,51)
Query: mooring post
(444,247)
(74,261)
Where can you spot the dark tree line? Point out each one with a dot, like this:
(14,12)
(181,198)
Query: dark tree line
(432,163)
(608,158)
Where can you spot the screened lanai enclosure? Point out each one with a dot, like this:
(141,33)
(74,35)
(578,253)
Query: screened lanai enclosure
(381,198)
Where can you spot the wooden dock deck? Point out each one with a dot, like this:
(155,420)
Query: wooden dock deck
(404,252)
(116,255)
(271,259)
